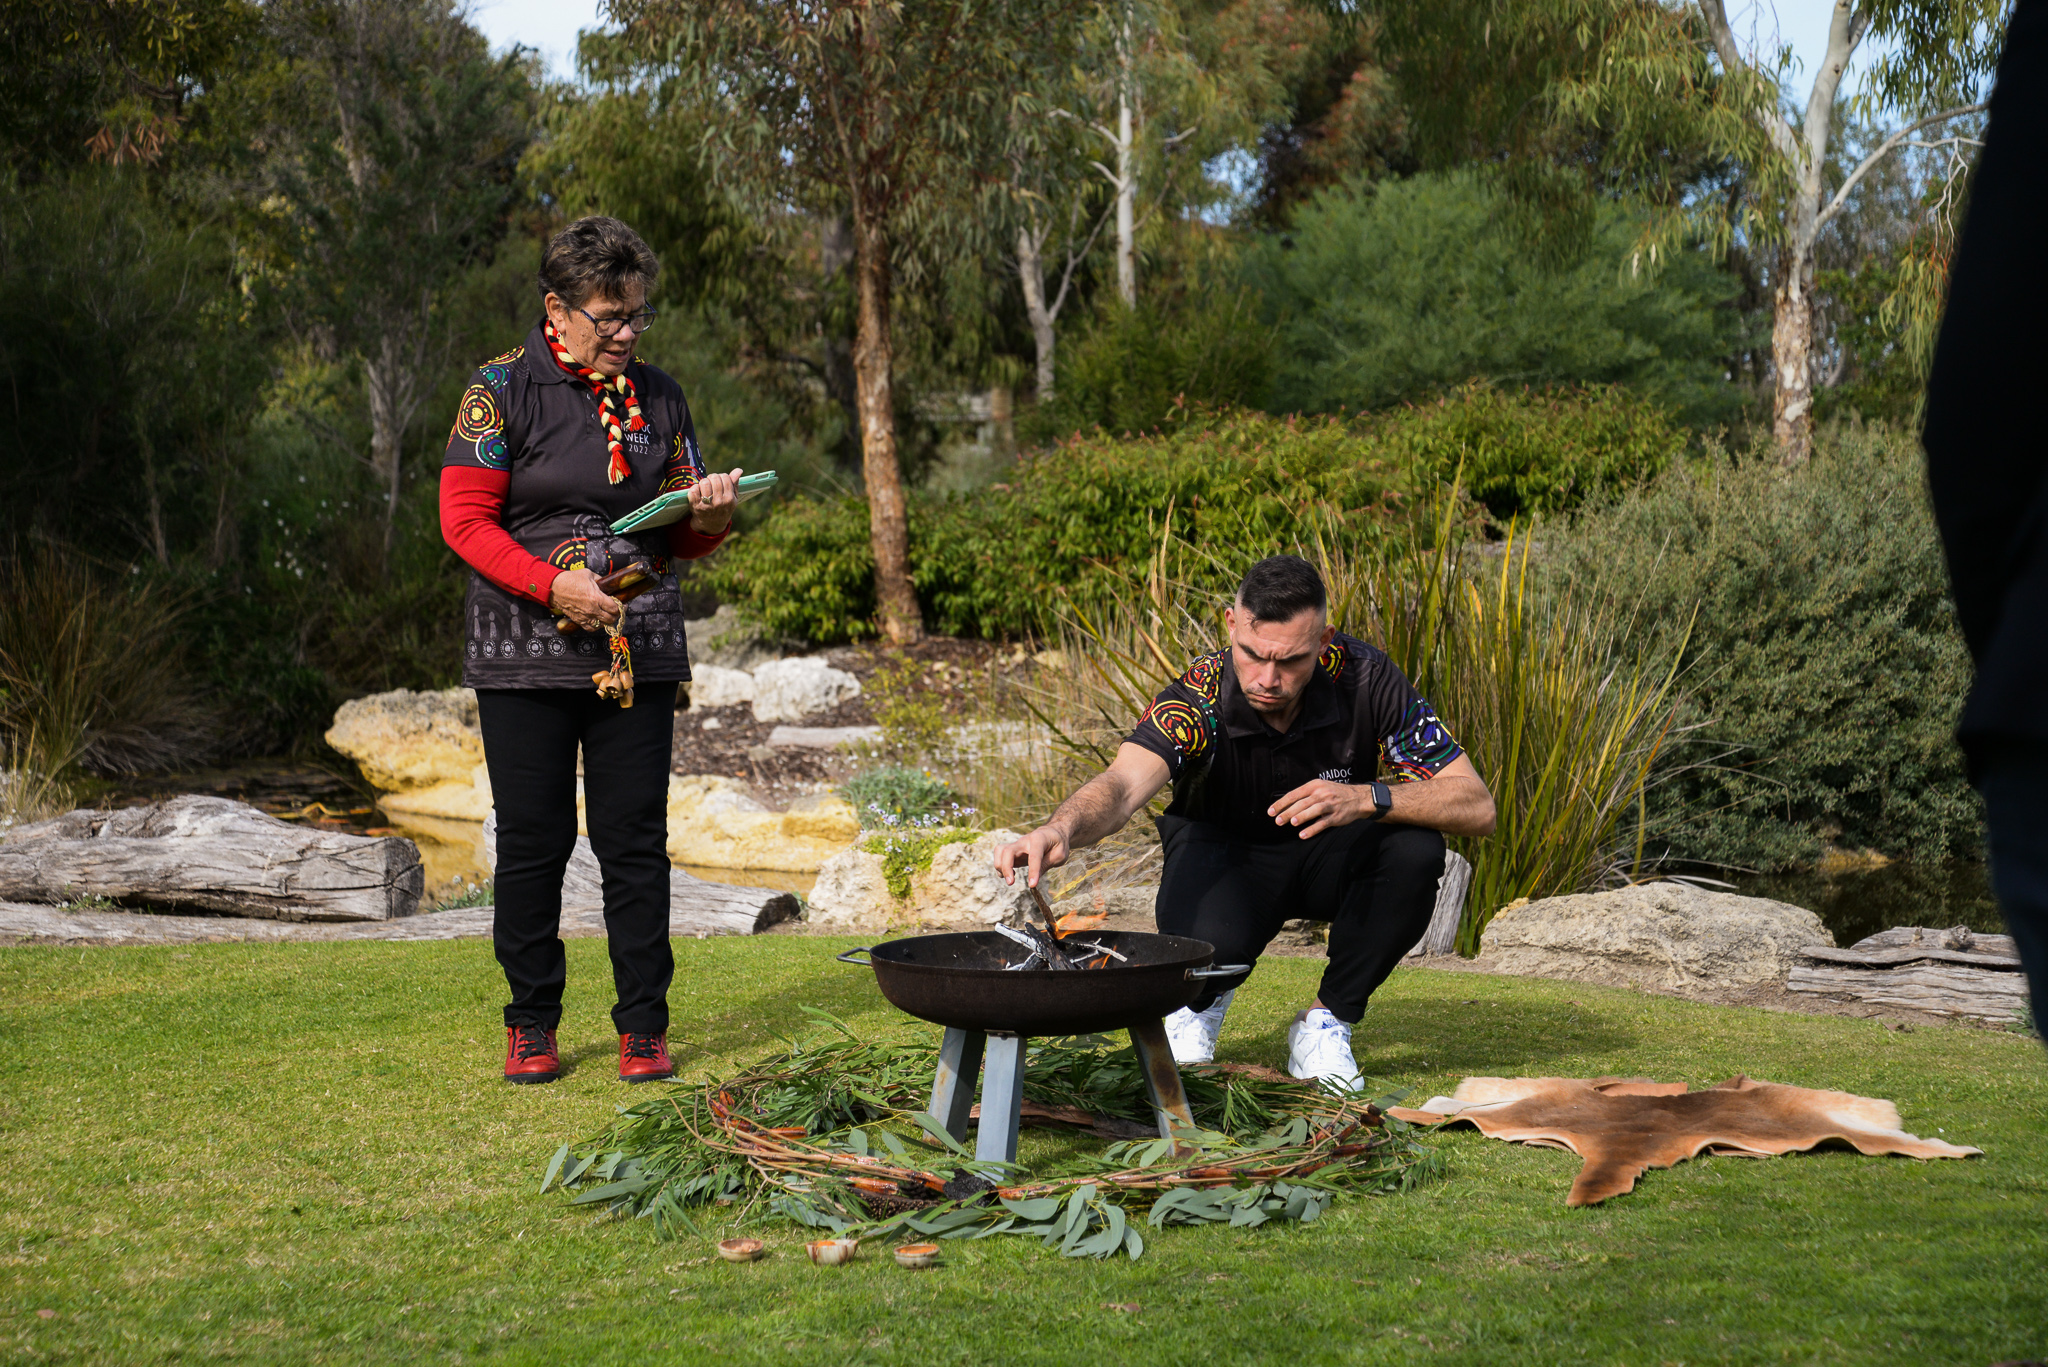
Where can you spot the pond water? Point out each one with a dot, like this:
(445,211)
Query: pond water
(1853,904)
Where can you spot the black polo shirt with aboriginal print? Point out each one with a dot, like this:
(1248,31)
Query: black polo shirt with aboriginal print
(1361,718)
(524,414)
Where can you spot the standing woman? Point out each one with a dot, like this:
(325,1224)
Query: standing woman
(555,440)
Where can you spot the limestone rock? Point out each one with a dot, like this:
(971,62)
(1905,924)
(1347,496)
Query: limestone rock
(715,823)
(717,686)
(1666,936)
(821,737)
(852,893)
(790,690)
(405,741)
(466,800)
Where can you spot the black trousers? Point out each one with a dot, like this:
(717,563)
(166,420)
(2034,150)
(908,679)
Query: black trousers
(530,741)
(1375,884)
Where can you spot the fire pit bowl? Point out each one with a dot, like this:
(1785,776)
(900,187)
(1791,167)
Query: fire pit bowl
(961,981)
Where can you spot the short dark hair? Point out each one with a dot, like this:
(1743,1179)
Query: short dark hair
(593,256)
(1281,588)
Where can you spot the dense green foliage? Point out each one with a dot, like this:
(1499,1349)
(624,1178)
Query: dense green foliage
(898,791)
(1535,450)
(1825,669)
(1398,290)
(990,563)
(1136,369)
(319,1164)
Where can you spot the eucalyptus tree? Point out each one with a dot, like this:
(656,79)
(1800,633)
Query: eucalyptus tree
(1654,100)
(392,137)
(1154,87)
(896,115)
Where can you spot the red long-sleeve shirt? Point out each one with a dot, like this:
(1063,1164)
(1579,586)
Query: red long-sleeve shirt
(472,523)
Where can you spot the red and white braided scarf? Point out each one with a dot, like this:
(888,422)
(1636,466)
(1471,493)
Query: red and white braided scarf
(617,404)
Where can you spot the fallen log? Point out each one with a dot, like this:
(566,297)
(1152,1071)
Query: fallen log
(1955,937)
(207,854)
(1945,989)
(695,906)
(1888,958)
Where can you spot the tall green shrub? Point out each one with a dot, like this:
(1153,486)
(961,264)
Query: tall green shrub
(990,563)
(1526,451)
(1132,370)
(1395,290)
(1825,669)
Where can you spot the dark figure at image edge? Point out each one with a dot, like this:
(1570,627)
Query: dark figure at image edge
(1273,746)
(553,442)
(1987,468)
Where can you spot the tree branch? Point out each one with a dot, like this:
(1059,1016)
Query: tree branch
(1716,14)
(1845,33)
(1883,149)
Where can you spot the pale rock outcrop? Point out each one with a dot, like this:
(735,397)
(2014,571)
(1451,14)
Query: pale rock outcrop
(717,686)
(456,800)
(1663,936)
(790,690)
(961,886)
(425,752)
(405,741)
(714,822)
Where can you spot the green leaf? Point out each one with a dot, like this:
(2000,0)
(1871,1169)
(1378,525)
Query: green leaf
(930,1125)
(554,1169)
(893,1145)
(577,1169)
(1033,1208)
(1134,1244)
(612,1191)
(857,1140)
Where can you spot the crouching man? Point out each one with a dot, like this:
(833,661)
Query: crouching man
(1274,748)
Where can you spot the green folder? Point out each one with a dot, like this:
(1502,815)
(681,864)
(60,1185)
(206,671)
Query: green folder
(674,507)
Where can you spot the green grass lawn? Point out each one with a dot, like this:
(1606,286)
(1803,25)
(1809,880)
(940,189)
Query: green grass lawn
(302,1153)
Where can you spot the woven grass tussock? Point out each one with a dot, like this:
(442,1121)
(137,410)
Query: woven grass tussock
(830,1134)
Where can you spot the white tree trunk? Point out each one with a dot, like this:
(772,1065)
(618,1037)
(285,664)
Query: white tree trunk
(1126,176)
(1031,275)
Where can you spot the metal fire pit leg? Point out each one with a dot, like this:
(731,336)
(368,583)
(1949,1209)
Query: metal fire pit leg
(953,1087)
(1002,1099)
(1162,1078)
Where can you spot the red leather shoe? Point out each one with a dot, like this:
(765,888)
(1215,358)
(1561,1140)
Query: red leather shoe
(644,1058)
(530,1054)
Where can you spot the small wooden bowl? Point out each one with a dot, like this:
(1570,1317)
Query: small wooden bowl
(917,1255)
(740,1250)
(831,1252)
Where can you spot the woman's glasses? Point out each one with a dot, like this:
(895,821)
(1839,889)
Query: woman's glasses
(609,327)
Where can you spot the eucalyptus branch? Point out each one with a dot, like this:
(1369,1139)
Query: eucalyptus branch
(1716,15)
(1841,196)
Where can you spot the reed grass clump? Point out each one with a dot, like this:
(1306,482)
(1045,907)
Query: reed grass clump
(91,674)
(1562,707)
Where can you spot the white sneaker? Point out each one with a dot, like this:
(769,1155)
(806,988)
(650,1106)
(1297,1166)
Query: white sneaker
(1193,1034)
(1319,1046)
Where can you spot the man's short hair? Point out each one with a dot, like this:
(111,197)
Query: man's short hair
(1280,588)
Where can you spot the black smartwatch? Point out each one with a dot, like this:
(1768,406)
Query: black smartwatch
(1382,799)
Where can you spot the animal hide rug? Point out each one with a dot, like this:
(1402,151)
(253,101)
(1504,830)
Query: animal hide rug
(1623,1127)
